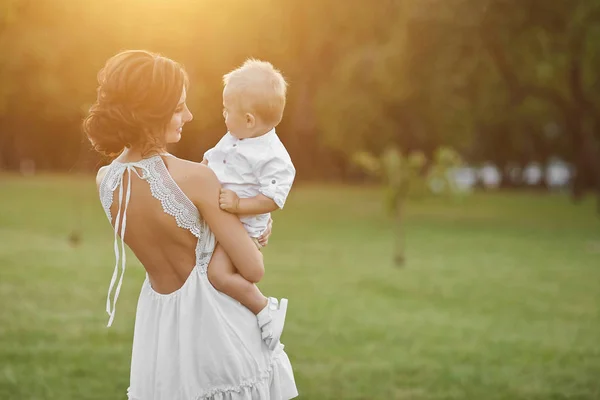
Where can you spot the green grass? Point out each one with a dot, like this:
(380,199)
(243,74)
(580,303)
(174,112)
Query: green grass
(500,298)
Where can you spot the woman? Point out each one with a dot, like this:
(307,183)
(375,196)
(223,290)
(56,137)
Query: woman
(190,341)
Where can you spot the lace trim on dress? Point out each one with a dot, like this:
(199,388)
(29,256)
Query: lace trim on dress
(174,202)
(172,199)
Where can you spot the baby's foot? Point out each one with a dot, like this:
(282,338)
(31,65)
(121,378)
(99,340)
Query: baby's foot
(271,320)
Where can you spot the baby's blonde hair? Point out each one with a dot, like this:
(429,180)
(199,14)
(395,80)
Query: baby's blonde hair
(259,88)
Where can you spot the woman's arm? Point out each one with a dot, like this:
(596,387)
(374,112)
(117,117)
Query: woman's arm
(227,228)
(264,238)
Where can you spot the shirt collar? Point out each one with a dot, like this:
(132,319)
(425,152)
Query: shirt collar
(260,139)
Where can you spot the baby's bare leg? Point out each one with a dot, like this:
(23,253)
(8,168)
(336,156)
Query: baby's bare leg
(223,275)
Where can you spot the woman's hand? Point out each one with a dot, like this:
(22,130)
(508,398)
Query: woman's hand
(264,238)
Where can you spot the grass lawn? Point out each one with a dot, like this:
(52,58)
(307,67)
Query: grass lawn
(500,298)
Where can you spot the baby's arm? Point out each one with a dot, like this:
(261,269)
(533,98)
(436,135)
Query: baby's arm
(260,204)
(275,176)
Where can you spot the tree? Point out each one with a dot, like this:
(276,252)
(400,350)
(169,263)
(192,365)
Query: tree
(556,59)
(405,176)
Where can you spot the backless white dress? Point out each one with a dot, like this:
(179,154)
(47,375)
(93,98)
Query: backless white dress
(195,343)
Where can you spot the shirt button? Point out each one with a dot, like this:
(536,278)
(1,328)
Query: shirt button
(273,181)
(224,161)
(235,144)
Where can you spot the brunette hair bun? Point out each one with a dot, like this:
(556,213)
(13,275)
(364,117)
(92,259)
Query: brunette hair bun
(137,95)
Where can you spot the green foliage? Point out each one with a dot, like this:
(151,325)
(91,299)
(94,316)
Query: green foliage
(412,175)
(484,77)
(439,174)
(397,172)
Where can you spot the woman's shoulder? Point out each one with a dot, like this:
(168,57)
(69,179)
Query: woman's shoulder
(101,174)
(181,169)
(194,179)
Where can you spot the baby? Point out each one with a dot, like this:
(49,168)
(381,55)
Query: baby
(256,173)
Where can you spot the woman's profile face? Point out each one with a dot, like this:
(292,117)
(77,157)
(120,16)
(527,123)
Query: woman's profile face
(181,116)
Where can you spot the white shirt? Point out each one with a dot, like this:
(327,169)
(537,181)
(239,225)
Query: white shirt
(253,166)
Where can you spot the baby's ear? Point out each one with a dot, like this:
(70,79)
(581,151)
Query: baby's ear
(250,120)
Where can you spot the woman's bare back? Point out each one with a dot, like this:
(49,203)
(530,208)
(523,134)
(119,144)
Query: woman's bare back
(165,249)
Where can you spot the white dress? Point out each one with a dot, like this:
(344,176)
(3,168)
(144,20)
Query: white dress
(195,343)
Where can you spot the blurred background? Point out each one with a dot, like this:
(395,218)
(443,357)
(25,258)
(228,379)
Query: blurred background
(442,239)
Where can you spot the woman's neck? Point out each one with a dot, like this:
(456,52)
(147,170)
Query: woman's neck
(137,153)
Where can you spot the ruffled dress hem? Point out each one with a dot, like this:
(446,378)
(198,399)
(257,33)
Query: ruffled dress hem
(276,382)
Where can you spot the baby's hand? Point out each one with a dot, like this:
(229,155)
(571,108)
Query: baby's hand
(229,201)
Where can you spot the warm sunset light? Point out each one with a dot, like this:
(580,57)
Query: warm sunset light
(321,199)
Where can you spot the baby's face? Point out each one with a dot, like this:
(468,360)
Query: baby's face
(239,123)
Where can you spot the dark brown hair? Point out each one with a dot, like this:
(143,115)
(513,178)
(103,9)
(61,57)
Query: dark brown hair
(137,95)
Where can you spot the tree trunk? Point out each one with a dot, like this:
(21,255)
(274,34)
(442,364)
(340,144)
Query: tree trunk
(399,245)
(591,156)
(7,145)
(587,158)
